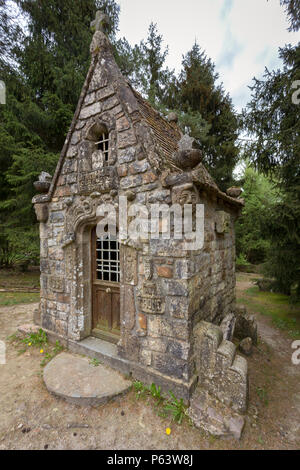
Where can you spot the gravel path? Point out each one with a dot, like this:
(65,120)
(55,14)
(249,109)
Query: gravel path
(30,418)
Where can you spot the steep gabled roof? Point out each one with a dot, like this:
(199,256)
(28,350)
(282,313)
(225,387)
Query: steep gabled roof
(166,135)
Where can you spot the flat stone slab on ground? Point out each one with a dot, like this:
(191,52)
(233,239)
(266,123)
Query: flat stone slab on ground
(76,380)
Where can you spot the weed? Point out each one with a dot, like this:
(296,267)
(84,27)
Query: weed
(50,355)
(171,404)
(36,339)
(95,362)
(12,338)
(161,413)
(212,439)
(176,407)
(156,393)
(140,389)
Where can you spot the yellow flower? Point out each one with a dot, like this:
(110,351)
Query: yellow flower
(168,431)
(41,351)
(29,344)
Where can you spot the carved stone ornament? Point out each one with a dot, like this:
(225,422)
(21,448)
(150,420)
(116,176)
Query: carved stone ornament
(222,222)
(148,268)
(188,155)
(185,194)
(56,284)
(130,265)
(43,184)
(150,301)
(101,22)
(103,180)
(82,211)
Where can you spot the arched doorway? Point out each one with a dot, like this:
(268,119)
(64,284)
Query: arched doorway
(105,287)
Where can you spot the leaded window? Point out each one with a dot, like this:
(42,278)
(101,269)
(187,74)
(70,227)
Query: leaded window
(108,259)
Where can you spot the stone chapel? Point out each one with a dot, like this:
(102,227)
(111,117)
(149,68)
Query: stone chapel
(137,307)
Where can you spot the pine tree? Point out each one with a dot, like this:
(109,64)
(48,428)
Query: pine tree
(55,57)
(272,119)
(252,240)
(154,77)
(208,113)
(44,78)
(292,8)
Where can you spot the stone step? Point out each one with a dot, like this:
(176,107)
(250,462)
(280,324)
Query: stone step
(225,356)
(240,366)
(78,381)
(105,352)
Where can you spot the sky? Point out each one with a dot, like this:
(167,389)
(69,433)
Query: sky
(242,37)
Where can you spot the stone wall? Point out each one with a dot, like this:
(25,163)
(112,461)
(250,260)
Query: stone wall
(212,287)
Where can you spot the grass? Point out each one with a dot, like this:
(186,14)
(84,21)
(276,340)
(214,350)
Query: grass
(14,298)
(11,279)
(285,315)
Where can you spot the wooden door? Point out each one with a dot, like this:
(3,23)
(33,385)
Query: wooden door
(106,288)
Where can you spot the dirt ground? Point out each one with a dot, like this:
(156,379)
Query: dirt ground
(30,418)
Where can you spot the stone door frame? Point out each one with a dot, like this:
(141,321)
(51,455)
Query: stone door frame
(80,321)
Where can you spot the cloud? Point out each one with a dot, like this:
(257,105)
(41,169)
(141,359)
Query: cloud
(230,50)
(241,37)
(227,7)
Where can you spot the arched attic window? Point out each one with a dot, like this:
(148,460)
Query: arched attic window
(103,145)
(99,134)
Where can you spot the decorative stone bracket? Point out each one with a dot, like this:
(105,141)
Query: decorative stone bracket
(68,240)
(41,211)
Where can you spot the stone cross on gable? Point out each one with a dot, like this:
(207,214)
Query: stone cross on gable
(101,22)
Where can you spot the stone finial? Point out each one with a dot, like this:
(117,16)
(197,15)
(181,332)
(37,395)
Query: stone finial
(234,192)
(188,155)
(100,23)
(187,142)
(172,117)
(44,182)
(45,177)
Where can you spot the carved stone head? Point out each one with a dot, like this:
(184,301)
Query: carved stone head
(148,268)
